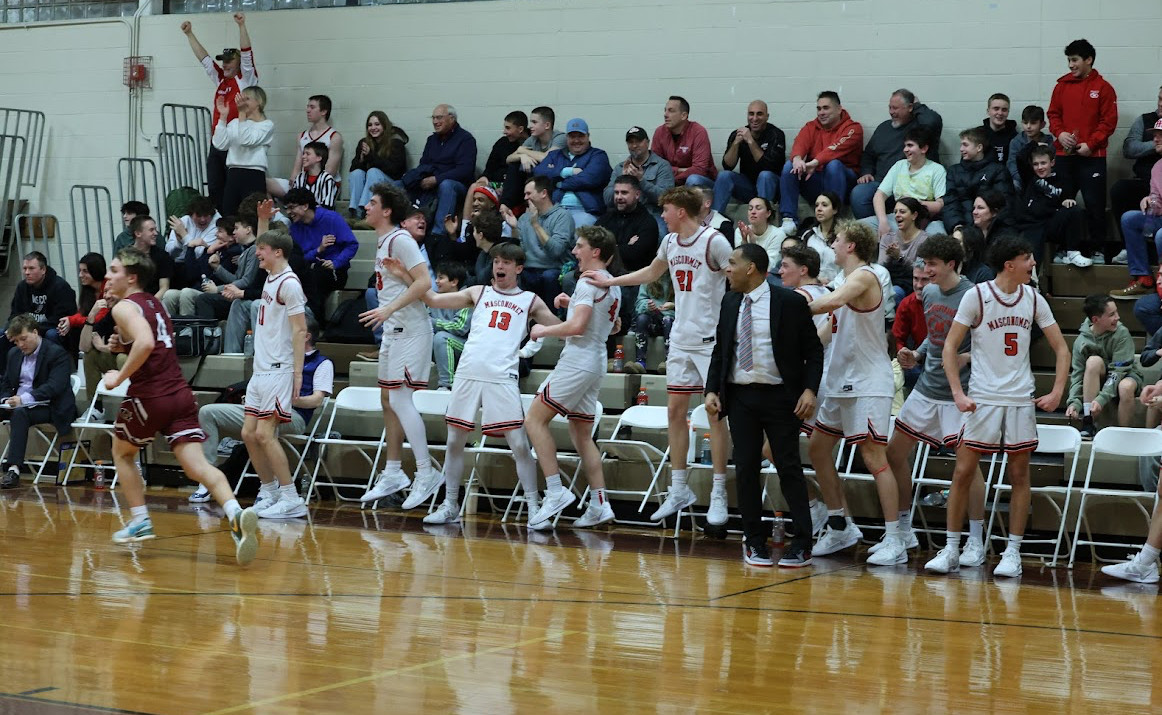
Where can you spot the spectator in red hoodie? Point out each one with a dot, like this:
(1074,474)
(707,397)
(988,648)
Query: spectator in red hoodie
(824,157)
(685,145)
(1083,113)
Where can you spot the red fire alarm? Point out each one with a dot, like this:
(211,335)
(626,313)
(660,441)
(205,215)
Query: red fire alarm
(136,72)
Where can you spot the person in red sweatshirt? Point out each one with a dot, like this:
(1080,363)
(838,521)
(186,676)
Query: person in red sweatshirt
(685,145)
(824,157)
(1083,113)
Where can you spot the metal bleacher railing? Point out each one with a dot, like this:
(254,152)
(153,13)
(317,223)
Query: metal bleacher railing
(183,145)
(21,149)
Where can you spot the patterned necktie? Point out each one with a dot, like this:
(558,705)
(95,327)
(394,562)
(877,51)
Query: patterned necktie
(745,349)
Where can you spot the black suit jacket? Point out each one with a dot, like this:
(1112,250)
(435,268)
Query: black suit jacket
(798,352)
(50,382)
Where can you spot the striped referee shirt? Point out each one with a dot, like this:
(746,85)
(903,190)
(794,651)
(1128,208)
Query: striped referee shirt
(324,188)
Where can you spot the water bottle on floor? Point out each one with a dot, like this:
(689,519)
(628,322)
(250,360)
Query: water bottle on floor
(778,532)
(704,453)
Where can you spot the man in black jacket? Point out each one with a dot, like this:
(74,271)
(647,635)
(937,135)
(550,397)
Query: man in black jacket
(978,171)
(765,371)
(35,390)
(44,295)
(636,232)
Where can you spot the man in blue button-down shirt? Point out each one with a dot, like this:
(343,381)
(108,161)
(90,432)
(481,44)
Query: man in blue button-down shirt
(34,390)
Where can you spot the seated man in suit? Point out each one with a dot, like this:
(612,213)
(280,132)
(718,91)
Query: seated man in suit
(765,371)
(35,390)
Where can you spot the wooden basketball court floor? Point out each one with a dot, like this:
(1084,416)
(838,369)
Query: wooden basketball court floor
(359,612)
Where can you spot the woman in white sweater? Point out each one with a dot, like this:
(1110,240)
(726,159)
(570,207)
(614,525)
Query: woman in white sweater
(761,230)
(246,141)
(820,233)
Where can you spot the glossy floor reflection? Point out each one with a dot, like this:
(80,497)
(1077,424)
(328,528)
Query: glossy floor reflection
(359,612)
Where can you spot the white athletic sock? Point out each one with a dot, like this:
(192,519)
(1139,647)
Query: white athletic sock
(599,495)
(953,540)
(287,490)
(678,478)
(1015,541)
(423,465)
(1149,554)
(409,418)
(454,462)
(138,513)
(269,487)
(835,512)
(719,481)
(975,528)
(553,483)
(905,518)
(394,466)
(232,507)
(891,528)
(522,454)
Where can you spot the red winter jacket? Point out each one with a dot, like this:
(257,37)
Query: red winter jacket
(844,141)
(1087,107)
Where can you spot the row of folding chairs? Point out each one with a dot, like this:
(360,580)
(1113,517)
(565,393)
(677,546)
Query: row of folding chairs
(362,405)
(1061,441)
(365,403)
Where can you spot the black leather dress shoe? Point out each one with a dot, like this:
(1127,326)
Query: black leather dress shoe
(10,480)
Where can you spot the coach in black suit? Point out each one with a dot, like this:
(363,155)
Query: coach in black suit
(45,378)
(765,372)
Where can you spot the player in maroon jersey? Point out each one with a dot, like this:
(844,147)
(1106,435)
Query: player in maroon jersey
(159,400)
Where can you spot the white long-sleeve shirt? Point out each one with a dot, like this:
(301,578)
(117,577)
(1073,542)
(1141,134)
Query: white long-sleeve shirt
(176,247)
(246,142)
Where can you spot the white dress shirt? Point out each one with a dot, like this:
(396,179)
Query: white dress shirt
(764,371)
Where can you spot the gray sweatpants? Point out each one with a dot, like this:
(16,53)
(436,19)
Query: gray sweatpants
(221,419)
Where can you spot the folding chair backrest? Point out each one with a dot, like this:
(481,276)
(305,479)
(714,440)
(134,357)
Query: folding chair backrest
(700,419)
(432,402)
(120,391)
(1058,439)
(359,399)
(653,417)
(1128,441)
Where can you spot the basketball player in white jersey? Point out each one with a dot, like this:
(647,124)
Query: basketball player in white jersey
(857,399)
(799,271)
(487,374)
(405,351)
(280,336)
(571,389)
(1001,412)
(695,256)
(929,414)
(319,130)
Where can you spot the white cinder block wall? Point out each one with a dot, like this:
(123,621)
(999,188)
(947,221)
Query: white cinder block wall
(613,63)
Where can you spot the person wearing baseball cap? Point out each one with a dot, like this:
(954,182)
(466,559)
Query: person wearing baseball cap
(653,173)
(235,73)
(580,172)
(482,198)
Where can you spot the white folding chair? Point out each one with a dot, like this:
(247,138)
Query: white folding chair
(1127,442)
(699,427)
(1051,439)
(920,479)
(653,419)
(296,444)
(429,403)
(495,445)
(88,425)
(569,456)
(358,405)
